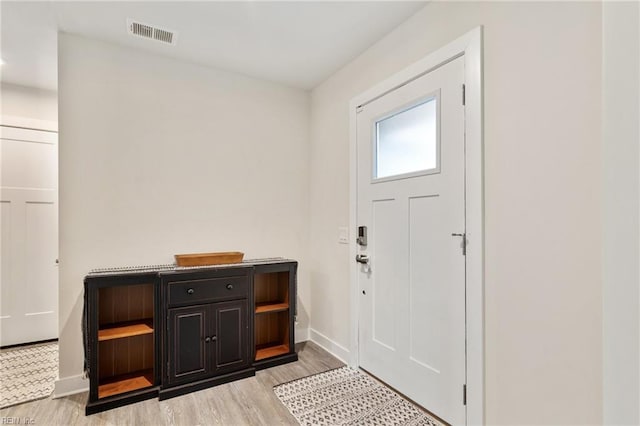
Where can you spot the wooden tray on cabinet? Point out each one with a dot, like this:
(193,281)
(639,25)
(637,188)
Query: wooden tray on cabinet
(204,259)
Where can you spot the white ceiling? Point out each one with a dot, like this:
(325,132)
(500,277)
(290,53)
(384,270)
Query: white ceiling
(295,43)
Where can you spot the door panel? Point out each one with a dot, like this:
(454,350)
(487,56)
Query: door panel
(425,301)
(6,255)
(187,347)
(412,316)
(28,164)
(232,334)
(384,291)
(41,274)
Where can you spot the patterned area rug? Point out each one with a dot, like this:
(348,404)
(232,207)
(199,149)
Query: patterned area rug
(345,396)
(27,373)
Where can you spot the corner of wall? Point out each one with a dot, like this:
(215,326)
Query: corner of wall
(620,212)
(70,386)
(334,348)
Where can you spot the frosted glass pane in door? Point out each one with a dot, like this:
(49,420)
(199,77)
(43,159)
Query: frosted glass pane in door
(406,142)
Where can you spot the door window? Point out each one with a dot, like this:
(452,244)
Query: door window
(406,142)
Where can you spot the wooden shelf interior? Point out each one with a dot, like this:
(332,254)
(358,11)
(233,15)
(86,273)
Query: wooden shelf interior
(262,308)
(125,303)
(271,294)
(271,289)
(272,334)
(125,383)
(269,351)
(125,338)
(117,357)
(125,329)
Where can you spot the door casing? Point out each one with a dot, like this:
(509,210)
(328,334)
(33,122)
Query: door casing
(468,45)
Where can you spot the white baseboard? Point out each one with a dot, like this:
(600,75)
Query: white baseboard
(302,334)
(70,386)
(329,345)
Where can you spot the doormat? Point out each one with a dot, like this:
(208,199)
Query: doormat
(345,396)
(27,373)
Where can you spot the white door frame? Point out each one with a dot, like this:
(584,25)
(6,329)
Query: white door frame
(469,46)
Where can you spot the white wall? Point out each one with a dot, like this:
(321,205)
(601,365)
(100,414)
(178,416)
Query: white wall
(20,102)
(543,198)
(621,213)
(159,157)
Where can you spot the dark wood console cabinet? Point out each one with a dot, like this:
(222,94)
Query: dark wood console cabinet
(176,330)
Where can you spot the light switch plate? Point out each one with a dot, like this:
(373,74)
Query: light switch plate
(343,235)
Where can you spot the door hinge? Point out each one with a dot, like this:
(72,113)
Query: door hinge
(464,394)
(464,94)
(359,108)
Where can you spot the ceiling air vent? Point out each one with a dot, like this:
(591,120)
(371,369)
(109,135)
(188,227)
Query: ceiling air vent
(150,32)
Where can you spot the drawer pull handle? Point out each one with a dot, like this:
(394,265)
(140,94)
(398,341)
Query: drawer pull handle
(190,291)
(229,286)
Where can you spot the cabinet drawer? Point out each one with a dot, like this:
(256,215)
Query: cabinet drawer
(207,290)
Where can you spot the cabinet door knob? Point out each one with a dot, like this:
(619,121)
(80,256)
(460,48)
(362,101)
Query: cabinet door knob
(207,339)
(190,291)
(214,338)
(229,286)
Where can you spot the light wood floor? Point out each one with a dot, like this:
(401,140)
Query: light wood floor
(249,401)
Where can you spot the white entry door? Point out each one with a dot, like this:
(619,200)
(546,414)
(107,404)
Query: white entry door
(411,198)
(29,243)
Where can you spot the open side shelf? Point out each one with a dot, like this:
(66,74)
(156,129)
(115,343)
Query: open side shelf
(274,303)
(262,308)
(271,287)
(125,329)
(126,338)
(271,350)
(272,334)
(125,383)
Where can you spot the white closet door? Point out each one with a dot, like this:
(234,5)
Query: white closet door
(29,240)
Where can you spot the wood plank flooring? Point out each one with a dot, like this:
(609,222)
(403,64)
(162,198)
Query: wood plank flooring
(249,401)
